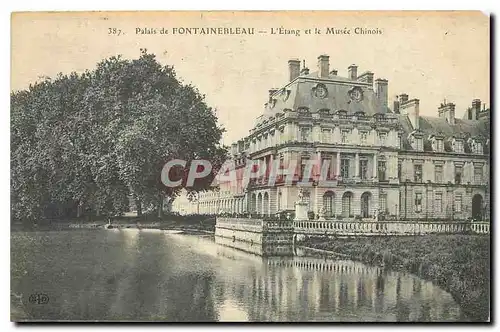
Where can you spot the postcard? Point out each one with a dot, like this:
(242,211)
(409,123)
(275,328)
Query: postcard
(280,166)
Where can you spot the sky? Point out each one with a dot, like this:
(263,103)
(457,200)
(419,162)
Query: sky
(431,56)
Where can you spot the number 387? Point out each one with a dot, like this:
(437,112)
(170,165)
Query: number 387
(114,31)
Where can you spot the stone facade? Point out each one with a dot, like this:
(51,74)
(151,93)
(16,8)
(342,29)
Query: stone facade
(372,161)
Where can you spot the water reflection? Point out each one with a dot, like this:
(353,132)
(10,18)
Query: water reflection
(138,275)
(259,249)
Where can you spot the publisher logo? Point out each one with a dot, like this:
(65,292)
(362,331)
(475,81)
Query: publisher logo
(39,298)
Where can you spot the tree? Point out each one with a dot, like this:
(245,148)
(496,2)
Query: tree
(88,142)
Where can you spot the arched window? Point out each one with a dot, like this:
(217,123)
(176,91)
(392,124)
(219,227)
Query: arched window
(329,203)
(365,204)
(347,204)
(265,204)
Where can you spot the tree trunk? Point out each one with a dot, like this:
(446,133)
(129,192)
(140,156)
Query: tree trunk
(79,210)
(160,206)
(138,206)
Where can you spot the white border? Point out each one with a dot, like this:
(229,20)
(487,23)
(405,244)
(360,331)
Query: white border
(487,6)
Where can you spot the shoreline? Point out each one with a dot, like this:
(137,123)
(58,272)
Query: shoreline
(186,229)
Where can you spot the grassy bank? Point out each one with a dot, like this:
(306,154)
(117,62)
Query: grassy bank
(205,223)
(460,264)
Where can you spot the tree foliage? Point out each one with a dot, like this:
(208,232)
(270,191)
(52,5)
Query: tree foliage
(87,143)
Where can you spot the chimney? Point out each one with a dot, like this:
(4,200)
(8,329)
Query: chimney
(381,91)
(395,109)
(293,68)
(271,93)
(412,109)
(334,72)
(352,72)
(366,77)
(323,66)
(447,111)
(476,109)
(403,98)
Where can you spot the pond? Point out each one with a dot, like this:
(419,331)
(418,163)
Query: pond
(148,275)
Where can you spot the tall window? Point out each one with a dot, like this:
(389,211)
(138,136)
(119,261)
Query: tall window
(418,202)
(363,168)
(326,163)
(305,134)
(382,202)
(400,141)
(459,145)
(458,174)
(328,203)
(344,168)
(281,134)
(344,135)
(326,135)
(346,204)
(303,164)
(439,145)
(458,203)
(438,202)
(400,170)
(438,173)
(363,137)
(478,174)
(381,170)
(382,138)
(417,173)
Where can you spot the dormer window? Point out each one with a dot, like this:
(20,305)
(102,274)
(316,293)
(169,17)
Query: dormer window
(305,134)
(326,135)
(304,111)
(419,144)
(363,136)
(344,135)
(458,146)
(476,147)
(324,112)
(439,145)
(416,139)
(479,148)
(342,114)
(380,117)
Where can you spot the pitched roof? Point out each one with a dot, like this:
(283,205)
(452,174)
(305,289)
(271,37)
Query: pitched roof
(435,125)
(300,93)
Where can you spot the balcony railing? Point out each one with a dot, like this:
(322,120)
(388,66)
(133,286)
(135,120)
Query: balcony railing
(352,227)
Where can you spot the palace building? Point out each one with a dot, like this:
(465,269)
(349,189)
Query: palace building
(383,159)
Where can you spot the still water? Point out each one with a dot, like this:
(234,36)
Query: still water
(147,275)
